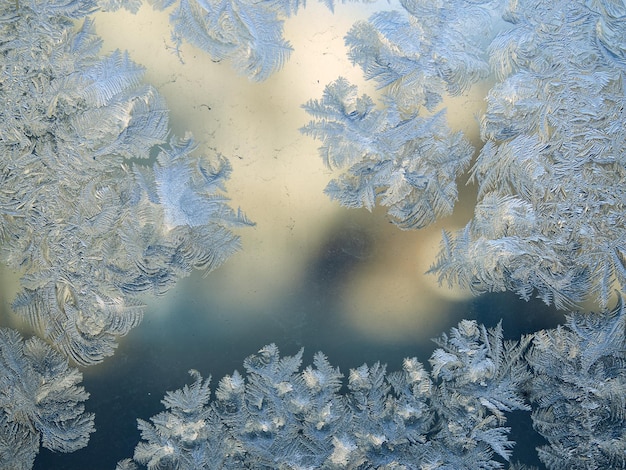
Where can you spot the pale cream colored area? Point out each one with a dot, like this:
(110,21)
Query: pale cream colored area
(9,287)
(278,177)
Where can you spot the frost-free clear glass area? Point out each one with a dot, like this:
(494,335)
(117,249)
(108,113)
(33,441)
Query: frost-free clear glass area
(215,187)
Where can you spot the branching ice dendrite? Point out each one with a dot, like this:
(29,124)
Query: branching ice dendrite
(577,387)
(409,164)
(550,218)
(86,217)
(40,402)
(280,417)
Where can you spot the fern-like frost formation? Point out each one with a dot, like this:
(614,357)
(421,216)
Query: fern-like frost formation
(453,417)
(100,203)
(549,221)
(408,164)
(578,388)
(550,218)
(40,402)
(248,33)
(278,416)
(86,216)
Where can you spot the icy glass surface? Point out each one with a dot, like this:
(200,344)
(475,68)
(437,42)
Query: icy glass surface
(294,200)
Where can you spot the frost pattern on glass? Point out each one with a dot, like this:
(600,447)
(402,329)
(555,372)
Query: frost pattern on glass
(248,33)
(550,219)
(40,402)
(396,156)
(451,417)
(279,416)
(97,203)
(408,164)
(425,51)
(578,390)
